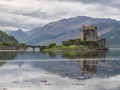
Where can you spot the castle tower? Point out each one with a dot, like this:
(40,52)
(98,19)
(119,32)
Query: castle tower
(89,33)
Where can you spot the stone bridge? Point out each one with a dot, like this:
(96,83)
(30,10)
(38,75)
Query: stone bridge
(33,47)
(28,46)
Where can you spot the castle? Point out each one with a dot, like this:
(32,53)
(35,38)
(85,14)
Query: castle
(88,35)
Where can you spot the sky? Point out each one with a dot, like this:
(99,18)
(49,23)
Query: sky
(29,14)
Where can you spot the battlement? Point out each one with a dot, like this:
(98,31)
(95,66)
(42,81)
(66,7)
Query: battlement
(89,27)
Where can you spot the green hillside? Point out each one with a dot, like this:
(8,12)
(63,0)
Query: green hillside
(7,39)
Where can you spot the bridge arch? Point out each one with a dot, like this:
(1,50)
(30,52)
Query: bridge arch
(33,47)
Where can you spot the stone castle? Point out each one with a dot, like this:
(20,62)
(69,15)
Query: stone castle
(87,34)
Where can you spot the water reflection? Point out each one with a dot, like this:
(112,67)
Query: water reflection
(77,63)
(77,55)
(84,55)
(85,69)
(7,55)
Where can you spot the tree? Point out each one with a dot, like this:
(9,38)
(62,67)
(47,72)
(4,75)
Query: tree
(66,43)
(22,45)
(1,44)
(52,45)
(7,43)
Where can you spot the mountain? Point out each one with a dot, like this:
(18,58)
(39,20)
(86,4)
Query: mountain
(5,38)
(113,37)
(70,28)
(19,35)
(29,33)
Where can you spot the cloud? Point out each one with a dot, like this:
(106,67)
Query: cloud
(92,1)
(28,14)
(108,3)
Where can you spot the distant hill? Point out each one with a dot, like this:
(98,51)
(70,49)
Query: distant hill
(29,33)
(113,37)
(5,38)
(70,28)
(19,35)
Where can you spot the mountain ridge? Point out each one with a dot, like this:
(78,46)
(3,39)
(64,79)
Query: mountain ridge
(19,35)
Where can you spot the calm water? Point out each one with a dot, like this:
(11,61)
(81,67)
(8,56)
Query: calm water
(97,70)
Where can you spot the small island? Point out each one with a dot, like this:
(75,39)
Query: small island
(88,40)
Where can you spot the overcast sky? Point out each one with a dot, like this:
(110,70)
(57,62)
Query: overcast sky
(28,14)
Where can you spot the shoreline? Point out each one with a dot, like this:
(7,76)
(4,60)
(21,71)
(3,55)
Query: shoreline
(82,50)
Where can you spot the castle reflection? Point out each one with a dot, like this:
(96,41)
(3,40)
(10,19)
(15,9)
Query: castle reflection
(88,61)
(87,65)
